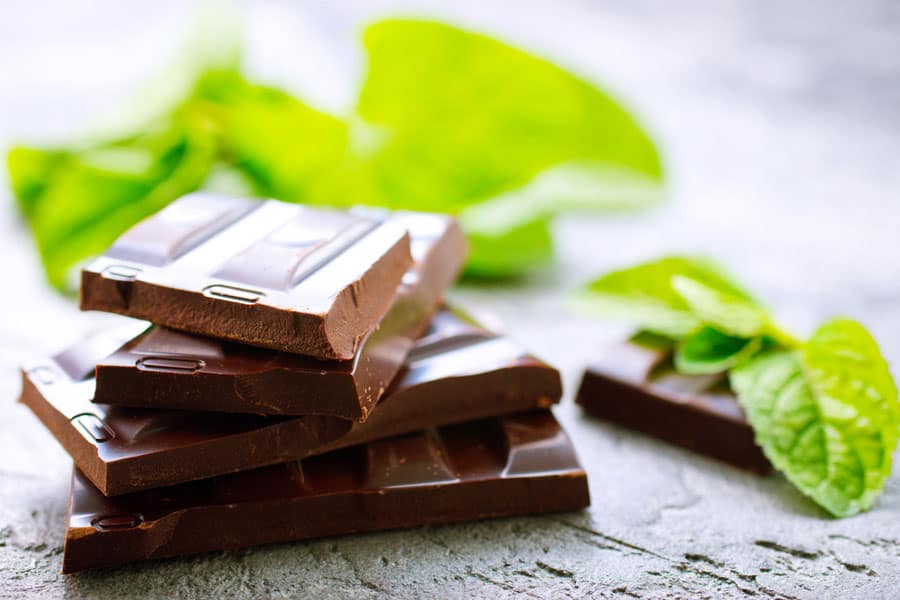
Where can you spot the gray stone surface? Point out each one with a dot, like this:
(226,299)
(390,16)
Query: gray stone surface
(781,130)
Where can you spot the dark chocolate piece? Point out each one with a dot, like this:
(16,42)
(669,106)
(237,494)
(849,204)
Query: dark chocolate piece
(164,368)
(513,465)
(456,372)
(636,385)
(269,274)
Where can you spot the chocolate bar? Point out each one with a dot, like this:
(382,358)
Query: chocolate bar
(165,368)
(456,372)
(513,465)
(269,274)
(635,384)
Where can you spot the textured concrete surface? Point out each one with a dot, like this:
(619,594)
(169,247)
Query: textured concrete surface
(782,134)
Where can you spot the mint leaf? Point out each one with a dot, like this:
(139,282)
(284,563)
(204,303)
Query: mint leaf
(469,117)
(710,351)
(645,294)
(293,151)
(466,120)
(722,308)
(826,415)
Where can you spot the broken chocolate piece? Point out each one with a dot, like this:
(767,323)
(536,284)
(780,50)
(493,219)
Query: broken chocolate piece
(635,385)
(271,274)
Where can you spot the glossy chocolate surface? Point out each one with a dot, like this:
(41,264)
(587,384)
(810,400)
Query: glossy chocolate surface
(636,386)
(456,372)
(270,274)
(512,465)
(165,368)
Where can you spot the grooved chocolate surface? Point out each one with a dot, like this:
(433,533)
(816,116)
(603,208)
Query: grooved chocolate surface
(636,386)
(496,467)
(456,372)
(165,368)
(269,274)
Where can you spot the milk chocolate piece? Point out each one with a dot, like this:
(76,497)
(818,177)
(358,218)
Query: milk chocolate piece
(270,274)
(513,465)
(635,385)
(456,372)
(164,368)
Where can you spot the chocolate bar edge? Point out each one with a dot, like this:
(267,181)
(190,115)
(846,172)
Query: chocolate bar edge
(328,337)
(629,405)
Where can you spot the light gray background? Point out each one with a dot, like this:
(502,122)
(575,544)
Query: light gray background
(781,132)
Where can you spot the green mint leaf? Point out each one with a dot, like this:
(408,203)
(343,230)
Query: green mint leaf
(431,120)
(468,118)
(726,310)
(826,415)
(710,351)
(293,151)
(645,295)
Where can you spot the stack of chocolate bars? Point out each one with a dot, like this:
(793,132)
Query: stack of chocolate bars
(301,378)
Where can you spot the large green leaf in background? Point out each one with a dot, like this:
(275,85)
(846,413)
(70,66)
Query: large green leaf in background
(447,121)
(469,117)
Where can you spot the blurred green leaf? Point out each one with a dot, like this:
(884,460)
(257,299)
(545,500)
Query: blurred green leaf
(506,252)
(729,312)
(293,151)
(29,173)
(470,117)
(447,121)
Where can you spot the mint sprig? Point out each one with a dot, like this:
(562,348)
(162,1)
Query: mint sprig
(824,411)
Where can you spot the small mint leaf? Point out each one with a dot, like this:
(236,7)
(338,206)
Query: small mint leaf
(826,415)
(730,313)
(710,351)
(645,296)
